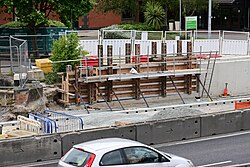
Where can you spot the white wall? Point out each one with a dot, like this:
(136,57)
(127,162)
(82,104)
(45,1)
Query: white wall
(235,72)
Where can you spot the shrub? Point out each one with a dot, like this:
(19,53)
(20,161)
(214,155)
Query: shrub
(17,24)
(54,23)
(13,24)
(136,26)
(51,78)
(65,48)
(154,14)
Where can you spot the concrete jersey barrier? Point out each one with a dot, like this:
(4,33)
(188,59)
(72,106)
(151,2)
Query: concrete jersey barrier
(48,147)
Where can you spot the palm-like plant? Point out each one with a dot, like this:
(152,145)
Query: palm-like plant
(154,14)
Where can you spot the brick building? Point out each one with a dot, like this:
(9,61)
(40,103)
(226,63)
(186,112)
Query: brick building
(229,15)
(93,20)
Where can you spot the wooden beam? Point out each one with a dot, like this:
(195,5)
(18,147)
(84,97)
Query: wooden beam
(100,54)
(128,53)
(188,78)
(109,87)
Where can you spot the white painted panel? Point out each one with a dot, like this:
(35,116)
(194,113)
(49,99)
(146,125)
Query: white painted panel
(237,47)
(90,46)
(207,45)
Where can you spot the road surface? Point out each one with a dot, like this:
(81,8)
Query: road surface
(220,150)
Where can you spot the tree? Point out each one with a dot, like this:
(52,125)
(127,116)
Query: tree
(191,7)
(118,6)
(65,48)
(171,7)
(35,13)
(154,14)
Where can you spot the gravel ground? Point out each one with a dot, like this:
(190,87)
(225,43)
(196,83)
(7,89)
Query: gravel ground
(101,116)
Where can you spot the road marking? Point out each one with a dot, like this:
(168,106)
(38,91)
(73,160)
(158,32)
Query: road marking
(215,164)
(238,165)
(201,139)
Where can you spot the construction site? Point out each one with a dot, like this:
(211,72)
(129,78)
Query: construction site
(124,83)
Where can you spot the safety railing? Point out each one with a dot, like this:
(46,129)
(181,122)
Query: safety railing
(65,122)
(54,125)
(46,124)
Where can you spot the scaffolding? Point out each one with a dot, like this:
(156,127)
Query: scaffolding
(135,76)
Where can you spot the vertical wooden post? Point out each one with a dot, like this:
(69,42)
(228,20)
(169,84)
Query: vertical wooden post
(189,55)
(164,56)
(128,53)
(77,101)
(188,78)
(137,57)
(154,49)
(90,87)
(137,67)
(179,48)
(100,54)
(109,72)
(164,68)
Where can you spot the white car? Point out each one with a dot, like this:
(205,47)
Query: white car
(116,152)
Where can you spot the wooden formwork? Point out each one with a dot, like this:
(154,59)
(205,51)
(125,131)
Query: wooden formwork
(161,76)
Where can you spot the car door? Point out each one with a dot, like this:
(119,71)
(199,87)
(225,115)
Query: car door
(112,158)
(144,157)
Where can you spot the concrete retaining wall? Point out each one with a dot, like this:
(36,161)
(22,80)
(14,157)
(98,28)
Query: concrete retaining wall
(41,148)
(235,72)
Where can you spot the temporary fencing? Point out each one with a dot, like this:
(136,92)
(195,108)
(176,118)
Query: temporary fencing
(46,125)
(14,56)
(225,43)
(65,122)
(29,124)
(54,125)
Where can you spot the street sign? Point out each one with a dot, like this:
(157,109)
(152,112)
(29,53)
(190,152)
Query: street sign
(191,22)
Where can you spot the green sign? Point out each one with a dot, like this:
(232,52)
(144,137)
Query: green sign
(191,23)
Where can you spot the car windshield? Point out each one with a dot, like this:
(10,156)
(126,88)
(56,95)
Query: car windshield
(76,157)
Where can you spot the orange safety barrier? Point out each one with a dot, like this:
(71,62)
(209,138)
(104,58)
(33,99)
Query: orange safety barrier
(241,105)
(90,61)
(206,56)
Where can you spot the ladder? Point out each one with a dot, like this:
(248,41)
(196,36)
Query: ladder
(209,74)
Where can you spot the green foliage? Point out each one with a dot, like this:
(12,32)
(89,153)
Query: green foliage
(154,14)
(51,78)
(13,24)
(135,26)
(54,23)
(191,7)
(69,11)
(17,24)
(65,48)
(35,13)
(118,6)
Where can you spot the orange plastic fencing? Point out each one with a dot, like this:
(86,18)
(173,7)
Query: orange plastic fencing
(241,105)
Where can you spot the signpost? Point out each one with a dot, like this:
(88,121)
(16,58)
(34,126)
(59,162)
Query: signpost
(191,23)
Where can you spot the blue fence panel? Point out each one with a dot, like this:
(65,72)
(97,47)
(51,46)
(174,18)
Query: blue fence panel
(65,122)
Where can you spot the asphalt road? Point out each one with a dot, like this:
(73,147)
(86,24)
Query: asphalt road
(224,150)
(221,150)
